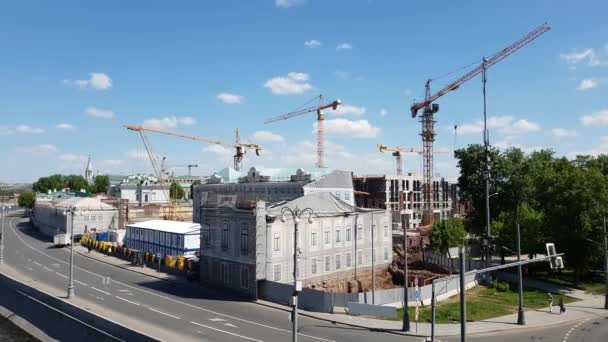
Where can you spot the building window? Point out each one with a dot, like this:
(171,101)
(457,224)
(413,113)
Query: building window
(225,237)
(277,272)
(327,263)
(313,238)
(245,277)
(276,242)
(225,276)
(327,237)
(338,235)
(146,198)
(347,195)
(313,266)
(338,261)
(385,253)
(92,217)
(360,257)
(348,233)
(360,233)
(244,240)
(348,259)
(385,231)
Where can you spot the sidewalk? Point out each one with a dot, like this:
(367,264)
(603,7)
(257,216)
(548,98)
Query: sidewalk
(589,306)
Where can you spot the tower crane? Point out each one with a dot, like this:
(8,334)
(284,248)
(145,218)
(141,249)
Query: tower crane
(320,117)
(240,148)
(428,122)
(398,151)
(189,166)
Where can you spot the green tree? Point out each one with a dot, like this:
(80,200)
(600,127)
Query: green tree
(195,183)
(27,200)
(176,191)
(446,234)
(100,184)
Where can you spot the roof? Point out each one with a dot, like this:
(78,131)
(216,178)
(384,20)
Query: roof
(321,203)
(88,203)
(168,226)
(335,179)
(230,175)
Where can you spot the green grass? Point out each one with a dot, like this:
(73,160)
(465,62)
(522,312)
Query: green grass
(595,285)
(484,303)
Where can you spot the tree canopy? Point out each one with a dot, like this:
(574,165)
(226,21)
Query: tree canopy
(553,198)
(176,191)
(27,200)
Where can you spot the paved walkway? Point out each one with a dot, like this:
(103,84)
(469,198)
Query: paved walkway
(589,306)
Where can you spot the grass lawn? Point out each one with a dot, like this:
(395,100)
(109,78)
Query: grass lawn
(596,285)
(484,303)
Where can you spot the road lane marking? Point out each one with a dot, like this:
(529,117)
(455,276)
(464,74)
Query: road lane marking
(230,325)
(81,283)
(104,292)
(48,269)
(55,265)
(62,275)
(30,269)
(226,332)
(163,313)
(126,300)
(216,319)
(12,228)
(94,296)
(37,263)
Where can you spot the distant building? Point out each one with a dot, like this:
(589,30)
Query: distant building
(146,189)
(91,214)
(88,172)
(241,246)
(270,185)
(385,191)
(161,237)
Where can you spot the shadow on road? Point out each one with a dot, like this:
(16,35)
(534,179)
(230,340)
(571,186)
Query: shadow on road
(191,290)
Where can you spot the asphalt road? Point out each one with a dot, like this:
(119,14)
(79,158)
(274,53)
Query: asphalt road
(193,312)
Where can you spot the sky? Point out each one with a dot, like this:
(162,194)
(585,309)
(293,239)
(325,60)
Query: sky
(72,73)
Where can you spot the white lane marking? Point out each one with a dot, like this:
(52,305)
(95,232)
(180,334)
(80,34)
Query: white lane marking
(573,328)
(48,269)
(81,283)
(55,265)
(94,296)
(126,300)
(62,275)
(167,298)
(230,325)
(30,269)
(163,313)
(226,332)
(124,290)
(37,263)
(104,292)
(216,319)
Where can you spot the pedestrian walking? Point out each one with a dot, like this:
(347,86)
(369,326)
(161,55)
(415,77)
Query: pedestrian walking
(560,303)
(550,298)
(89,248)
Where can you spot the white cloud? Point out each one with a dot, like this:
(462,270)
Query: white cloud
(28,129)
(383,112)
(313,43)
(218,149)
(97,80)
(294,83)
(112,162)
(352,128)
(587,84)
(305,153)
(562,132)
(348,109)
(72,157)
(587,55)
(169,122)
(596,118)
(137,154)
(38,149)
(505,124)
(99,113)
(267,136)
(344,46)
(286,3)
(230,98)
(65,126)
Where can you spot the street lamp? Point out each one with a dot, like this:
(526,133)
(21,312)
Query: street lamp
(521,318)
(2,213)
(296,214)
(605,263)
(72,211)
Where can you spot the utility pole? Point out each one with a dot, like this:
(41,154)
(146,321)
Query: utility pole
(521,319)
(2,214)
(463,304)
(605,265)
(486,173)
(406,315)
(71,211)
(373,263)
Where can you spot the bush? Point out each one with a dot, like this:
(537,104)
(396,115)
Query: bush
(499,286)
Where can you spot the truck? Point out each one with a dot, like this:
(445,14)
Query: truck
(61,240)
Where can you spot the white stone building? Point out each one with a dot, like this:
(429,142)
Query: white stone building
(90,215)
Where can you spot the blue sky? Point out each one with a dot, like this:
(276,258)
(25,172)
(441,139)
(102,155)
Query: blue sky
(73,72)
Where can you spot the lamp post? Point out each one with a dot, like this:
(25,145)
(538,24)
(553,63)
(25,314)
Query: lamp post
(296,214)
(72,211)
(2,214)
(605,263)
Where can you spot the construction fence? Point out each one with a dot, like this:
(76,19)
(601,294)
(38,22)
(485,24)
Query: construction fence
(179,265)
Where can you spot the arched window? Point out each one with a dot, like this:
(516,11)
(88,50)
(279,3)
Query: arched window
(146,198)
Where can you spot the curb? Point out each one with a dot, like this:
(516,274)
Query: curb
(23,324)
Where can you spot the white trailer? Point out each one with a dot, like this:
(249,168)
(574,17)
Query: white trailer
(61,240)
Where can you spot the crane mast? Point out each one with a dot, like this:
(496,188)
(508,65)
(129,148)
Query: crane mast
(428,121)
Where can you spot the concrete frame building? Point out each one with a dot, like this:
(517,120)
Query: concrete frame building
(243,246)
